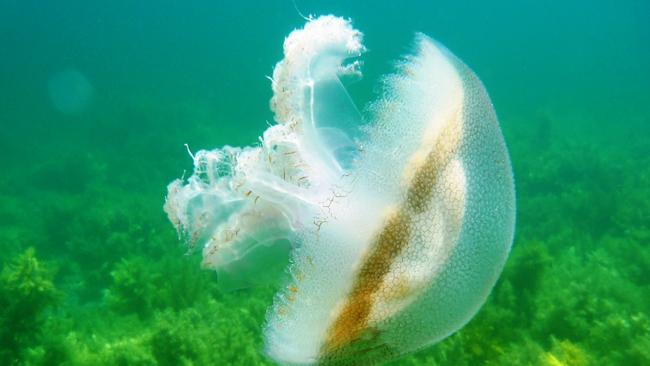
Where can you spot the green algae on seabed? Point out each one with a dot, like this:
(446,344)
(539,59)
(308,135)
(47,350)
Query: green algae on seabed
(107,282)
(26,292)
(568,296)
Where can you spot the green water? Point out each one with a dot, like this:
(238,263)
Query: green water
(97,100)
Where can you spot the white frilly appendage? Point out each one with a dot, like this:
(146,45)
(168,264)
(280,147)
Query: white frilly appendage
(239,199)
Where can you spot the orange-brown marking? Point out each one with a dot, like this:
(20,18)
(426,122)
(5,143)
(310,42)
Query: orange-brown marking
(352,321)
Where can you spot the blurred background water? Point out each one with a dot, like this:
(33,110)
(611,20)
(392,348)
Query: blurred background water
(98,98)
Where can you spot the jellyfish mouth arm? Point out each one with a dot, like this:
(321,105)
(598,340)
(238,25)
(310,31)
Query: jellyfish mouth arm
(309,97)
(237,199)
(236,194)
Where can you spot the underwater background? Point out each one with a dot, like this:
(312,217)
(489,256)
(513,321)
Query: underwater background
(97,100)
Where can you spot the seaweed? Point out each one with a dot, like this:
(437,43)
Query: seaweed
(27,291)
(111,284)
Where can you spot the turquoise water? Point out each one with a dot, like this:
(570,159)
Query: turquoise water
(97,102)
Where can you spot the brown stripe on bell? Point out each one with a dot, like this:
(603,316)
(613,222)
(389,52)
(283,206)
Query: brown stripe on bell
(352,325)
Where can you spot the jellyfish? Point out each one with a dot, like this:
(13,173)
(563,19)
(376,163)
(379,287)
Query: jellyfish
(400,220)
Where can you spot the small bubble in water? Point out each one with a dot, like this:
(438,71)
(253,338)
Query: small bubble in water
(70,91)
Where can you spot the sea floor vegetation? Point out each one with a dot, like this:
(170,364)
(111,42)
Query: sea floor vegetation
(93,274)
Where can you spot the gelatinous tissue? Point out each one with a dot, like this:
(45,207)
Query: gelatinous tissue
(399,227)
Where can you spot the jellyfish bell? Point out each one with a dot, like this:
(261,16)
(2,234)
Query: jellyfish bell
(400,228)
